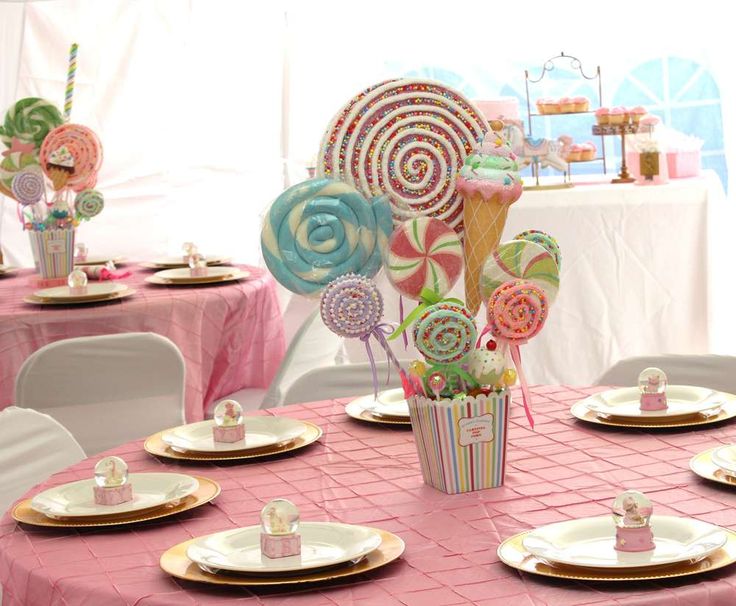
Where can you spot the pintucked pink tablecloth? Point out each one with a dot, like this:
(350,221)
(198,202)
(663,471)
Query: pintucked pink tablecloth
(231,335)
(367,474)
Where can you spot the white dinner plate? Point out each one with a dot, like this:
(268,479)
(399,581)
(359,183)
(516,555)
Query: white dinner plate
(183,275)
(725,458)
(95,290)
(259,433)
(390,403)
(178,261)
(589,542)
(76,499)
(323,544)
(681,400)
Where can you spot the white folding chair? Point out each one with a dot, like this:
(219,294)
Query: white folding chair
(313,346)
(715,372)
(32,447)
(106,390)
(339,381)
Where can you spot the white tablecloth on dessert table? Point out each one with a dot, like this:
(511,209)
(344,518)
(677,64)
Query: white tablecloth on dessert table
(635,276)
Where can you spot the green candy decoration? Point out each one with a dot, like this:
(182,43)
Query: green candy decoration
(30,120)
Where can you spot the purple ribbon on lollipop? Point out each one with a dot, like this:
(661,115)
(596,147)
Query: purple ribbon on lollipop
(352,306)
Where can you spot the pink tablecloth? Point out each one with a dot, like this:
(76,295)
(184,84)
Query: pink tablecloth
(365,474)
(231,335)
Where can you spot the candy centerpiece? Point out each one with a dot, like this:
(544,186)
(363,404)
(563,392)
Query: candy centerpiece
(77,282)
(653,388)
(111,482)
(197,265)
(279,525)
(229,426)
(631,513)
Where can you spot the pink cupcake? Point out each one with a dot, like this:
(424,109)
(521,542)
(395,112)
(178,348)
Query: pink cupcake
(602,116)
(617,115)
(637,113)
(588,151)
(567,105)
(581,104)
(574,153)
(551,106)
(540,105)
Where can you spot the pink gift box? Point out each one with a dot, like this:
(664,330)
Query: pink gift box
(113,495)
(634,539)
(77,290)
(281,546)
(229,434)
(683,164)
(653,401)
(198,272)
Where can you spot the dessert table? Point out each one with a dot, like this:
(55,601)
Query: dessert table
(231,335)
(366,474)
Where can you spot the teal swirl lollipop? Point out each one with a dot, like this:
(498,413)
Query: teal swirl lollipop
(321,229)
(445,333)
(29,120)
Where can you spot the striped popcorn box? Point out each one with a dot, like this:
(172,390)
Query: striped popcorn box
(55,251)
(461,443)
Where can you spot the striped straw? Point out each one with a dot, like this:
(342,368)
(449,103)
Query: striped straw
(70,81)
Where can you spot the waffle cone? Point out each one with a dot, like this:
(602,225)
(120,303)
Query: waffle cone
(483,220)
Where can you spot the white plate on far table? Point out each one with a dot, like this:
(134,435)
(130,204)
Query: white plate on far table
(589,542)
(323,544)
(390,403)
(183,276)
(178,261)
(100,261)
(95,290)
(76,499)
(7,269)
(725,458)
(260,432)
(681,400)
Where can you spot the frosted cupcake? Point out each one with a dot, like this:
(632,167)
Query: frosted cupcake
(489,182)
(574,153)
(602,115)
(616,116)
(567,105)
(588,150)
(581,104)
(637,113)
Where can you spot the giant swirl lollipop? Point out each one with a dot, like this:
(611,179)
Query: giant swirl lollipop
(352,306)
(321,229)
(517,311)
(29,121)
(71,155)
(406,138)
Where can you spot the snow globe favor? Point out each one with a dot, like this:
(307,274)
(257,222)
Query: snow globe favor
(111,482)
(279,529)
(77,281)
(631,513)
(653,388)
(229,426)
(197,265)
(188,248)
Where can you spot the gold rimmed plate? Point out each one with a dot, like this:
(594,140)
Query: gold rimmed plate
(728,411)
(356,410)
(512,553)
(35,300)
(156,446)
(176,563)
(100,261)
(702,464)
(184,278)
(207,491)
(174,262)
(6,270)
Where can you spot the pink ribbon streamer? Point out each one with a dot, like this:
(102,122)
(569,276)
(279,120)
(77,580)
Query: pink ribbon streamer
(401,321)
(525,395)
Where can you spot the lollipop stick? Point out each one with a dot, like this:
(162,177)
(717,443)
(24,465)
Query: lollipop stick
(70,75)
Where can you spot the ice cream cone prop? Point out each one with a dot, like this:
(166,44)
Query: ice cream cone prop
(489,183)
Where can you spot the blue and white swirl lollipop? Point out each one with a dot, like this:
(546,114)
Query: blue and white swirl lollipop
(321,229)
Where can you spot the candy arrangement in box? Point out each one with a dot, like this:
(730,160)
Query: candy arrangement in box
(429,213)
(50,168)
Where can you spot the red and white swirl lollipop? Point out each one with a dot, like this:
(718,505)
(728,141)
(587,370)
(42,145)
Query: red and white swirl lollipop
(406,138)
(517,311)
(71,155)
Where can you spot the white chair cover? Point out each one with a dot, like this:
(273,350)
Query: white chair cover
(714,372)
(32,447)
(340,381)
(106,390)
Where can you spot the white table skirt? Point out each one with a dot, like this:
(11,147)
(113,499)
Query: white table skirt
(635,276)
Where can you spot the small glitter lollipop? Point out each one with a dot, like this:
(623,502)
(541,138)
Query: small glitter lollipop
(445,333)
(352,306)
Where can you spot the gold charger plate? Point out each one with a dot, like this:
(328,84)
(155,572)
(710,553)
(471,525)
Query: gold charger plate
(727,411)
(100,261)
(156,446)
(238,275)
(208,490)
(361,414)
(34,300)
(702,464)
(176,563)
(512,553)
(6,270)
